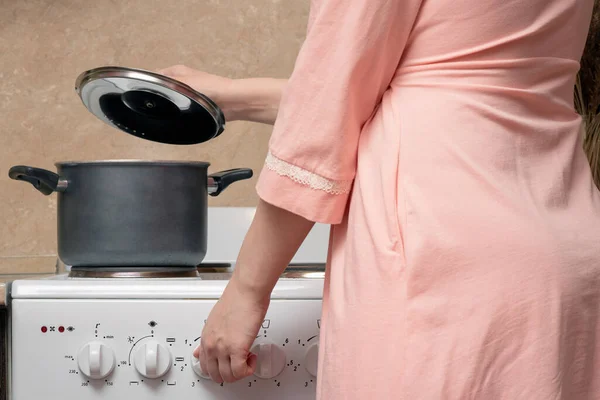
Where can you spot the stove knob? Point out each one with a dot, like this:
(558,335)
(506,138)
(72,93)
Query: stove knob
(197,369)
(152,359)
(311,359)
(270,360)
(96,360)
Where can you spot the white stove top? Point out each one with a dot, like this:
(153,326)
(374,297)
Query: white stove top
(63,287)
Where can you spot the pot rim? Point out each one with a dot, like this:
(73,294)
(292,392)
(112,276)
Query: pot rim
(135,162)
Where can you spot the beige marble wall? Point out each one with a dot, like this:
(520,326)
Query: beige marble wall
(45,44)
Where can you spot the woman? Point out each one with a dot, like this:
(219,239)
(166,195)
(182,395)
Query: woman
(439,139)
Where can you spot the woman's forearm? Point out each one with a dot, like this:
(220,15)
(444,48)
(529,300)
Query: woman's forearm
(255,99)
(270,244)
(275,234)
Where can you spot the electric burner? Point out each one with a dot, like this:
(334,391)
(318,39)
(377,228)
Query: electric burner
(209,271)
(133,272)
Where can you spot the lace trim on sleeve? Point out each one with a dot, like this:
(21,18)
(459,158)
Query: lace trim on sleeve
(305,177)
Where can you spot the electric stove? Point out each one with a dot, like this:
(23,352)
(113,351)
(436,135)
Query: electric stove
(129,333)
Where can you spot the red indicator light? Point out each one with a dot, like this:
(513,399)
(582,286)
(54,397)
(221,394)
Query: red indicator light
(44,329)
(61,329)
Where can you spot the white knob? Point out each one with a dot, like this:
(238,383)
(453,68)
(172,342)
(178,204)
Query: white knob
(311,359)
(152,359)
(270,360)
(197,369)
(96,360)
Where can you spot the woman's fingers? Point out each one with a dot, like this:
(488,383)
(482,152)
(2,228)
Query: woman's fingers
(225,368)
(242,367)
(211,355)
(212,365)
(199,354)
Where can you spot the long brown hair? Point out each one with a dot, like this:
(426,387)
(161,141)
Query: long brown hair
(587,94)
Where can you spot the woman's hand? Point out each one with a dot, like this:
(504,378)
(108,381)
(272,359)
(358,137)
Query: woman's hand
(254,99)
(215,87)
(229,332)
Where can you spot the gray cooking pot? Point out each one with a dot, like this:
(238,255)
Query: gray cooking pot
(131,213)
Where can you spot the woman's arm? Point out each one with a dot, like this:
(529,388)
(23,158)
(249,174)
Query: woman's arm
(272,240)
(252,99)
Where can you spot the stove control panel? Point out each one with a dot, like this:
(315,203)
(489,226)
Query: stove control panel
(143,349)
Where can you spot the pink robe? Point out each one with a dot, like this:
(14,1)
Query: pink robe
(439,138)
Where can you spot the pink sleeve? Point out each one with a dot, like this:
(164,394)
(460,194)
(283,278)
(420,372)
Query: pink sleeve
(346,63)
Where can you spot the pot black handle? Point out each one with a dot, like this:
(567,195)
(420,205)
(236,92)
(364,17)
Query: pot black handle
(219,181)
(43,180)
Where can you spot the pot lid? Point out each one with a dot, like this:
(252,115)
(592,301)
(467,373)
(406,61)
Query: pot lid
(149,105)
